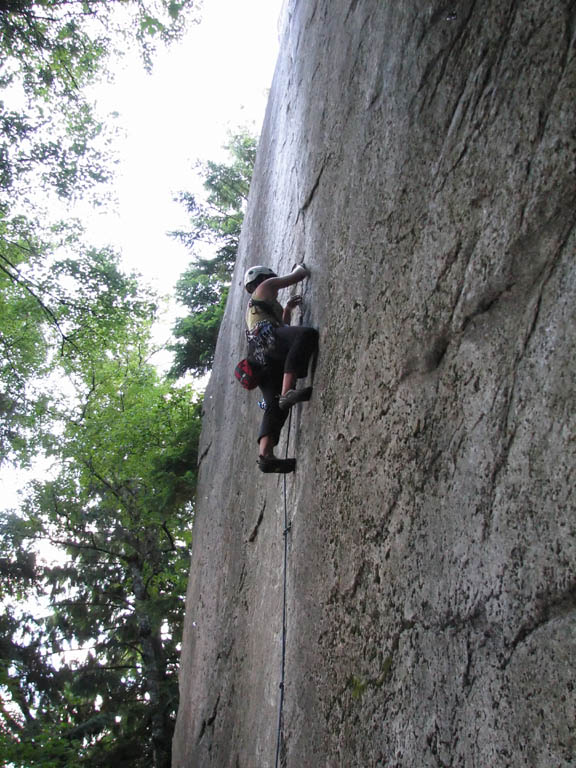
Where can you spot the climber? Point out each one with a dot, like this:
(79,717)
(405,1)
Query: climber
(283,351)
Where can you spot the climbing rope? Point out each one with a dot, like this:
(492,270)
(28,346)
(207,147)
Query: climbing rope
(286,530)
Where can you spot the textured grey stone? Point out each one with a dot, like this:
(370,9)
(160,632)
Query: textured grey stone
(421,158)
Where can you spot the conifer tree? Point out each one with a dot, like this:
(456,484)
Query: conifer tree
(203,287)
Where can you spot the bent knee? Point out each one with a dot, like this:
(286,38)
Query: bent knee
(311,335)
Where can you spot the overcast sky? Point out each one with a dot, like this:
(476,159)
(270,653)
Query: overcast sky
(215,80)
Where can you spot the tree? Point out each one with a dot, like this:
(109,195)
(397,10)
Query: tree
(203,288)
(57,314)
(120,507)
(51,50)
(61,37)
(219,221)
(87,645)
(51,144)
(23,349)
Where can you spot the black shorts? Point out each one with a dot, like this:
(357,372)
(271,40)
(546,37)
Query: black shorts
(293,348)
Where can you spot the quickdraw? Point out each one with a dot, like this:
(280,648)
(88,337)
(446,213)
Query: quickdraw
(261,340)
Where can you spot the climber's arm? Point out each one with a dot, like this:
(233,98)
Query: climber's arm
(268,290)
(293,301)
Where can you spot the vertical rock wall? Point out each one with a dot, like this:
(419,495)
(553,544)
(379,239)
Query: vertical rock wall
(420,157)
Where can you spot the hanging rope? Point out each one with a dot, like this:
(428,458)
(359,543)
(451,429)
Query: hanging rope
(285,533)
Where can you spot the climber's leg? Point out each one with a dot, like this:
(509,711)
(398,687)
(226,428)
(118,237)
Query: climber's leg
(266,444)
(267,462)
(272,423)
(297,345)
(288,382)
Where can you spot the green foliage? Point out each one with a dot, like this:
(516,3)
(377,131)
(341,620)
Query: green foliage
(203,288)
(51,144)
(357,686)
(57,314)
(61,44)
(197,331)
(120,508)
(219,221)
(23,355)
(88,645)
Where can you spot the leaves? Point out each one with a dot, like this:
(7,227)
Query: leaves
(203,288)
(57,314)
(94,562)
(120,507)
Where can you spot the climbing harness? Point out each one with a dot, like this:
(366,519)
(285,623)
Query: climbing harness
(285,532)
(261,341)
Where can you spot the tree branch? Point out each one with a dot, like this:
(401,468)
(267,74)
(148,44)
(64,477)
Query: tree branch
(13,724)
(167,532)
(24,283)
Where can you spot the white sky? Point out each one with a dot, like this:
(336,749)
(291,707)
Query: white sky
(213,81)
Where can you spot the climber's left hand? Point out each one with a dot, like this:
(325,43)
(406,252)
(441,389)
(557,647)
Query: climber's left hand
(293,301)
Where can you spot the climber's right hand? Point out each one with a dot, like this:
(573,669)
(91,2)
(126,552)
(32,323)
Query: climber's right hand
(302,267)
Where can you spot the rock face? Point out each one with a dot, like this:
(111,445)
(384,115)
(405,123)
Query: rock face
(421,158)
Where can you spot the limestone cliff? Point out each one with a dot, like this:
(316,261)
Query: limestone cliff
(421,158)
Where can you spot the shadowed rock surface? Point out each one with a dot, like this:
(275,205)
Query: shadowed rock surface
(421,158)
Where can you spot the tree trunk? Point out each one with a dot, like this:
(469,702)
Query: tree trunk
(153,672)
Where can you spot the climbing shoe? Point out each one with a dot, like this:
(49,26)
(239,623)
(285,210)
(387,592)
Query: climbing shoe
(280,466)
(294,396)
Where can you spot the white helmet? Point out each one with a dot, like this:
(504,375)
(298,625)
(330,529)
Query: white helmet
(254,273)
